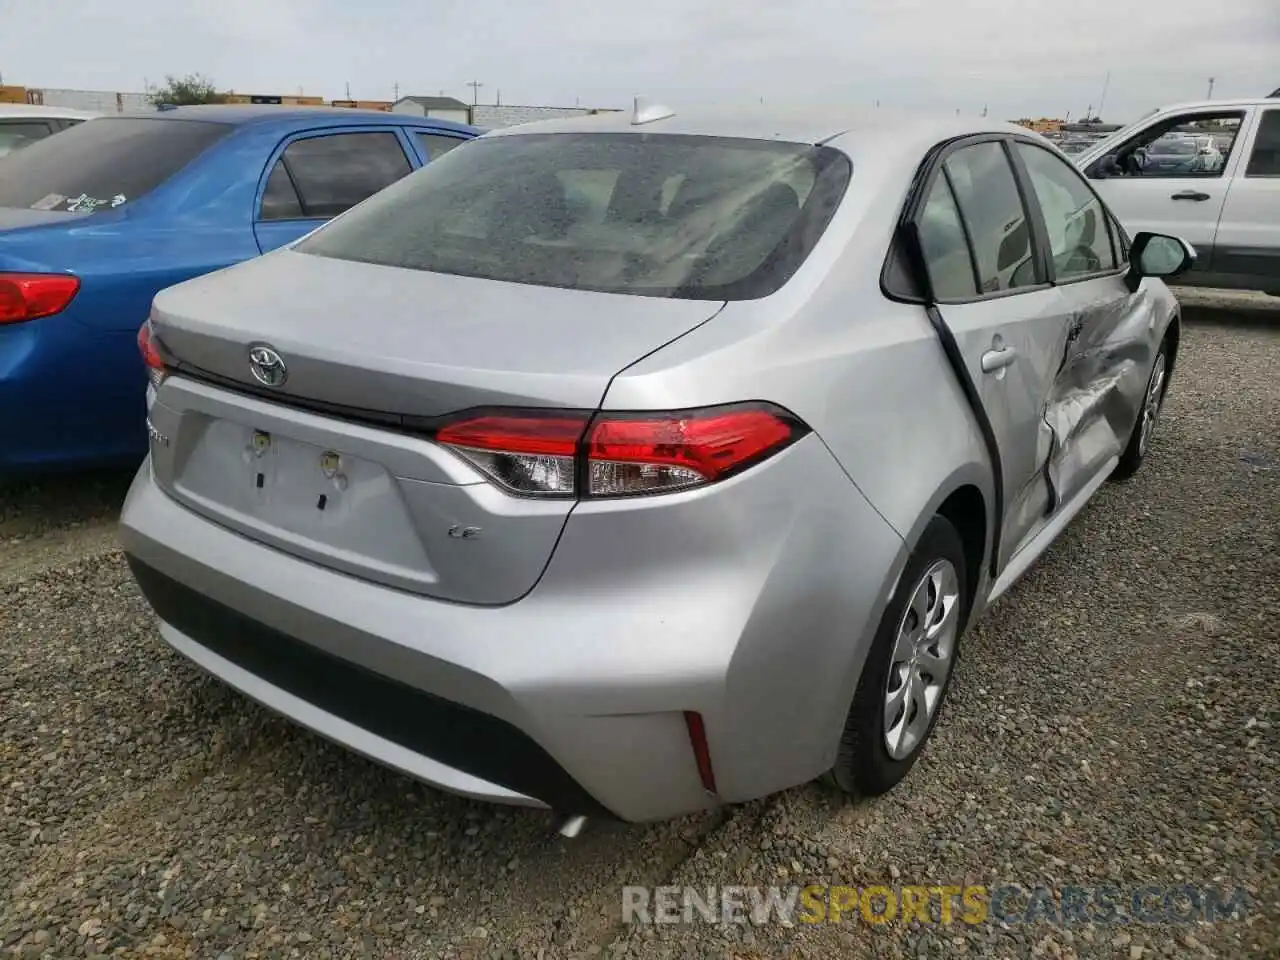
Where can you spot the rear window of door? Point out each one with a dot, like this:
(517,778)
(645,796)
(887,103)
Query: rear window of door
(1074,218)
(332,174)
(103,163)
(994,217)
(436,144)
(1264,160)
(947,255)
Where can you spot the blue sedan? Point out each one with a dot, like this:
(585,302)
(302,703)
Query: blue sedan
(95,221)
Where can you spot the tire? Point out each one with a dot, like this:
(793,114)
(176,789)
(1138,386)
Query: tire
(1148,416)
(865,764)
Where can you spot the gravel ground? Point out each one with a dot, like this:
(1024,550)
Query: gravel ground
(1109,724)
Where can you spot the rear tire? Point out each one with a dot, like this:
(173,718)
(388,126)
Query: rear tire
(918,638)
(1148,416)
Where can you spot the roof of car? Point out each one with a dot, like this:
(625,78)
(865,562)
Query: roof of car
(764,123)
(10,111)
(1216,104)
(241,114)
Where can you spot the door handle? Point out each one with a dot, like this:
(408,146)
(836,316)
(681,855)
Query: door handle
(1190,195)
(994,360)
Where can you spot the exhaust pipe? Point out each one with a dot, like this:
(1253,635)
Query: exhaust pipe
(570,826)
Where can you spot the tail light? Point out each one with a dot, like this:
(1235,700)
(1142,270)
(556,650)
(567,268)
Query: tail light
(149,347)
(29,296)
(525,453)
(619,455)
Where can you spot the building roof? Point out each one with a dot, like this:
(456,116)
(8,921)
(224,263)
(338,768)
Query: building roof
(436,103)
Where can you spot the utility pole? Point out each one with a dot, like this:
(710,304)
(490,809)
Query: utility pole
(497,100)
(475,86)
(348,89)
(396,91)
(1209,95)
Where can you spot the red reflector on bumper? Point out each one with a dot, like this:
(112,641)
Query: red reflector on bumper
(701,752)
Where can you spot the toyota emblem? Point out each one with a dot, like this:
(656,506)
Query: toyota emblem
(267,366)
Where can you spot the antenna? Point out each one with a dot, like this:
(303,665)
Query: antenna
(1103,99)
(647,112)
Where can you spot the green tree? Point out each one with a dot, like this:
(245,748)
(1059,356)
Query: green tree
(182,91)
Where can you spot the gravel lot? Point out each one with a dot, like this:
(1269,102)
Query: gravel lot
(1114,720)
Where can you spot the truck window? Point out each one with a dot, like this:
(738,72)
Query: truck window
(1188,145)
(1264,161)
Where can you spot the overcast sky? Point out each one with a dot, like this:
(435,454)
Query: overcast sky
(1020,57)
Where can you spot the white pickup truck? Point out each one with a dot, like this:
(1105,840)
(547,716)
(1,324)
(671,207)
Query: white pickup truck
(1208,172)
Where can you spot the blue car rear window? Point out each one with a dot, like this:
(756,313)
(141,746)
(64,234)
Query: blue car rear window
(102,164)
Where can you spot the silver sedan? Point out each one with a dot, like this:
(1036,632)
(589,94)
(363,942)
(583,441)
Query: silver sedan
(640,463)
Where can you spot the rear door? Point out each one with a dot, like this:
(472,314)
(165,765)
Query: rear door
(317,175)
(1112,333)
(1164,192)
(1248,240)
(1009,324)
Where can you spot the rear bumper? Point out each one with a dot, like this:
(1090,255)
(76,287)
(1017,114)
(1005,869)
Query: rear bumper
(573,697)
(421,734)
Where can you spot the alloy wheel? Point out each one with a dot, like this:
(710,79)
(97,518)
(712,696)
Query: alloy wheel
(923,656)
(1151,405)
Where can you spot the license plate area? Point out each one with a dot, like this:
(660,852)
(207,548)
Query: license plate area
(318,501)
(304,487)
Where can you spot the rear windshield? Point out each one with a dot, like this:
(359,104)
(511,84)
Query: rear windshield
(649,214)
(103,163)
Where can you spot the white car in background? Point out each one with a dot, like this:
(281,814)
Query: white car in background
(22,124)
(1208,172)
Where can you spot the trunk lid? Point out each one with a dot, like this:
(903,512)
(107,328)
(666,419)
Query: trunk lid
(413,342)
(35,241)
(13,218)
(324,466)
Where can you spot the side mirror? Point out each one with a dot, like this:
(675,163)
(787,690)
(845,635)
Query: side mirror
(1158,255)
